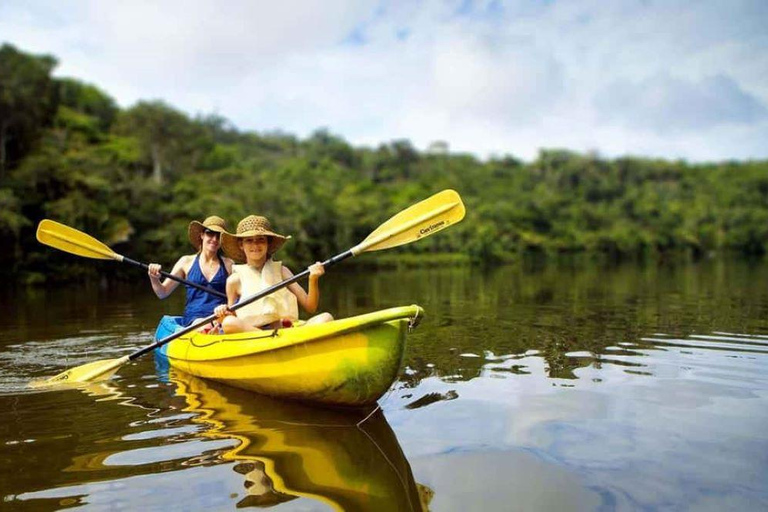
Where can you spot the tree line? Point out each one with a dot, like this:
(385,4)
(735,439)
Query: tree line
(135,177)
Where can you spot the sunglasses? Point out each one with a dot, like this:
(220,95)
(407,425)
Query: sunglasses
(211,233)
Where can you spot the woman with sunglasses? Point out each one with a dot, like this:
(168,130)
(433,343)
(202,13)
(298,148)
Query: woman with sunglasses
(207,268)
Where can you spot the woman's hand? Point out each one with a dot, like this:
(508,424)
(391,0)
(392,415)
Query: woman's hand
(153,269)
(221,311)
(316,270)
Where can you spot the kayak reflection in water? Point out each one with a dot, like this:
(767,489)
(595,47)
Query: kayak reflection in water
(346,459)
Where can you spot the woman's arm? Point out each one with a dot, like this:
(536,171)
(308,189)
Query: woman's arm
(233,293)
(308,301)
(233,289)
(164,289)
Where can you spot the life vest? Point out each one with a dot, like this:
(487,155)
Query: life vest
(282,303)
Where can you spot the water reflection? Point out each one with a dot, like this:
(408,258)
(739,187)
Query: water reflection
(349,460)
(58,443)
(626,388)
(268,452)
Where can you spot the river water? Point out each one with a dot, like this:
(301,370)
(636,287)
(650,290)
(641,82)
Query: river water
(560,387)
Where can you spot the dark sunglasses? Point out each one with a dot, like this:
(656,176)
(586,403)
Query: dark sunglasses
(211,233)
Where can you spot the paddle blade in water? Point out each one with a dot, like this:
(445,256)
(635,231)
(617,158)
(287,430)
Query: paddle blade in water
(90,372)
(71,240)
(426,218)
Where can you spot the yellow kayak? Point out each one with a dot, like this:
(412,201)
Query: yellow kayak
(348,362)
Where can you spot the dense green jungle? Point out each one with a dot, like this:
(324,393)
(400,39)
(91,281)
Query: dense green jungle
(135,177)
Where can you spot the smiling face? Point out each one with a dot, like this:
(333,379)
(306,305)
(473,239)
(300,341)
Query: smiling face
(211,240)
(255,248)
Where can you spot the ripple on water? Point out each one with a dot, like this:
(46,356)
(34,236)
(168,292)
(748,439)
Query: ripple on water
(21,363)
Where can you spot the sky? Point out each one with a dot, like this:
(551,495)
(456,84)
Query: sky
(670,79)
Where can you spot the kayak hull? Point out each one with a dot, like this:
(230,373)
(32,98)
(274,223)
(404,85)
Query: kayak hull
(348,362)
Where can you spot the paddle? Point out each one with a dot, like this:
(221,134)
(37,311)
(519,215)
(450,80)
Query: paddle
(71,240)
(414,223)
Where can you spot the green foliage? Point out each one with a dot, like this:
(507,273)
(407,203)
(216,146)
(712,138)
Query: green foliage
(89,100)
(171,142)
(11,219)
(26,102)
(137,177)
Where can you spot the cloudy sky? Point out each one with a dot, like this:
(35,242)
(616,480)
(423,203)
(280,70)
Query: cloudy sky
(675,79)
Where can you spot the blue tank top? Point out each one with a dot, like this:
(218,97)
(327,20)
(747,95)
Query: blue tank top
(200,304)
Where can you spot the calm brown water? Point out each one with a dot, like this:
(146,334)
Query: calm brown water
(569,388)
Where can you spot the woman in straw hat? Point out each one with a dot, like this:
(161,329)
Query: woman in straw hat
(207,267)
(253,245)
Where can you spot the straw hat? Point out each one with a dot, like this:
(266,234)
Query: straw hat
(252,225)
(214,223)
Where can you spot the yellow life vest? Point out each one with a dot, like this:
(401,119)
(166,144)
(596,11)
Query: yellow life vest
(282,303)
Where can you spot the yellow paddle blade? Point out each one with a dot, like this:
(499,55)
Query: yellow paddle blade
(90,372)
(420,220)
(71,240)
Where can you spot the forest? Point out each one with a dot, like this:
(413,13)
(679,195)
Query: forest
(135,177)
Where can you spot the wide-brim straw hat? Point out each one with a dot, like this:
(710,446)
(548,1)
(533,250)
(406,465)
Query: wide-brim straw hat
(214,223)
(252,225)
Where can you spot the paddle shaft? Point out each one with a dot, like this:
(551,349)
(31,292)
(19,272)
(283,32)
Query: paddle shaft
(175,278)
(253,298)
(71,240)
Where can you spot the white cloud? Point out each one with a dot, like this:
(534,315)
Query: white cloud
(665,104)
(494,78)
(675,79)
